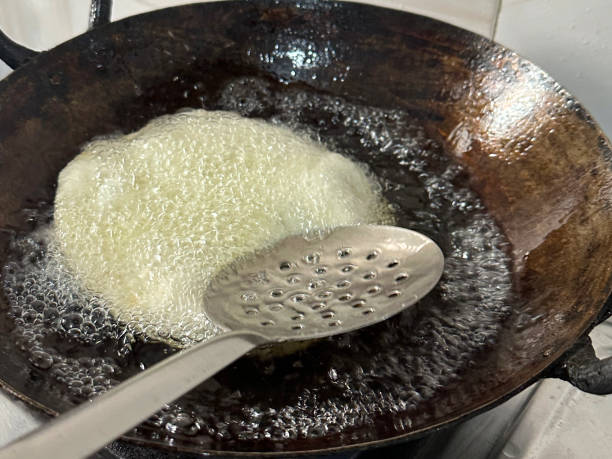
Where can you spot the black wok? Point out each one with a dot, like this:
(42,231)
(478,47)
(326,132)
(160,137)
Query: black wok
(536,159)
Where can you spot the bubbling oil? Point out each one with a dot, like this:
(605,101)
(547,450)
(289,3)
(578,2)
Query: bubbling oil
(344,382)
(146,219)
(48,304)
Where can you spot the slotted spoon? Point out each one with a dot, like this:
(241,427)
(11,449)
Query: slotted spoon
(299,289)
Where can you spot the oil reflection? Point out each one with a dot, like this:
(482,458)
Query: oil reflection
(303,58)
(303,53)
(513,120)
(515,108)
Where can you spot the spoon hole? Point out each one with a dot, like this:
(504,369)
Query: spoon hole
(312,258)
(285,266)
(316,283)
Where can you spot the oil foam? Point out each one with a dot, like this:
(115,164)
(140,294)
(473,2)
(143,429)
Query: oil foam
(146,219)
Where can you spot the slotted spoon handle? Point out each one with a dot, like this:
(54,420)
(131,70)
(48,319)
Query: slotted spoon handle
(91,426)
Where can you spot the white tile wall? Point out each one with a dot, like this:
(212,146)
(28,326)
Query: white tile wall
(42,24)
(571,40)
(4,70)
(476,15)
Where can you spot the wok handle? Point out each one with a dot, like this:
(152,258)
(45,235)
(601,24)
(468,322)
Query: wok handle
(15,55)
(606,312)
(581,367)
(100,13)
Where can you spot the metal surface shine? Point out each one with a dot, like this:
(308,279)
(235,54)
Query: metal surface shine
(539,163)
(311,288)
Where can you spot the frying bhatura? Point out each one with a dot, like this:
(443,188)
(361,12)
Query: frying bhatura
(146,219)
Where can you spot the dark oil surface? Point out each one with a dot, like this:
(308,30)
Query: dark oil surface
(339,385)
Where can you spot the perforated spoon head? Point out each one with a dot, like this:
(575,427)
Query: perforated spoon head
(301,288)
